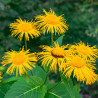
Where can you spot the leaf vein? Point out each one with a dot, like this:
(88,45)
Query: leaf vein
(27,91)
(54,94)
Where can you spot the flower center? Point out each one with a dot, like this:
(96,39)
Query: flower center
(58,53)
(78,62)
(84,50)
(18,59)
(52,19)
(25,27)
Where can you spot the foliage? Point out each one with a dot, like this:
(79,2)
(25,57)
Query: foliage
(81,16)
(23,89)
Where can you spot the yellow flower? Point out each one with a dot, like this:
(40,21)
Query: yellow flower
(20,28)
(82,69)
(20,61)
(53,57)
(50,22)
(85,50)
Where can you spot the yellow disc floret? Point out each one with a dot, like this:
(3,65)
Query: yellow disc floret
(20,61)
(78,62)
(82,69)
(25,28)
(52,19)
(86,51)
(55,55)
(19,58)
(58,52)
(51,23)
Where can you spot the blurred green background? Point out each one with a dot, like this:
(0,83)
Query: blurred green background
(81,16)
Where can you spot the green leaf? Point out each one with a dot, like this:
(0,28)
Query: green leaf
(11,80)
(59,91)
(76,87)
(73,90)
(51,85)
(59,40)
(39,72)
(23,89)
(69,86)
(3,90)
(65,89)
(26,77)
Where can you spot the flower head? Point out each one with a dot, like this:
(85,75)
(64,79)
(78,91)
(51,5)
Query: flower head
(50,22)
(85,51)
(82,69)
(20,61)
(54,56)
(20,28)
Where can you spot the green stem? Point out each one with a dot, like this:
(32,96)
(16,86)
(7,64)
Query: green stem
(54,86)
(25,44)
(32,79)
(46,78)
(31,72)
(2,92)
(51,39)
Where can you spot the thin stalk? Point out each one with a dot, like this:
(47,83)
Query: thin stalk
(31,72)
(25,44)
(32,79)
(51,39)
(54,86)
(46,78)
(2,92)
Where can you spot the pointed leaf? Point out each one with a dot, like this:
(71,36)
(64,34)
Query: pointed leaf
(59,40)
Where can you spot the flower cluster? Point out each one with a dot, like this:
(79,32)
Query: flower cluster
(77,60)
(81,63)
